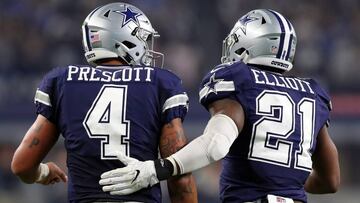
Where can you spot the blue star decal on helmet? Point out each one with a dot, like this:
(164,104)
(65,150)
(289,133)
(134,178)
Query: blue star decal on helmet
(129,15)
(244,21)
(211,85)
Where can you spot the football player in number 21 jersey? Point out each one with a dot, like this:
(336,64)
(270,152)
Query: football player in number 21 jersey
(270,130)
(122,104)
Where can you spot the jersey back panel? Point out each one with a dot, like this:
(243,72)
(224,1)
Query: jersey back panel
(105,110)
(283,115)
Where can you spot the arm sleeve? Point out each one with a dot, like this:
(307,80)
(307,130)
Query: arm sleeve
(219,134)
(173,99)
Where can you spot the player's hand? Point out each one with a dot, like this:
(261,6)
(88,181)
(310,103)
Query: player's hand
(129,179)
(55,175)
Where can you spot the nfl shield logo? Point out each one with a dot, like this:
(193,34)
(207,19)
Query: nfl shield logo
(274,49)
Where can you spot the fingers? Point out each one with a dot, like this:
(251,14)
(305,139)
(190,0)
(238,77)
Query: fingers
(124,159)
(55,175)
(122,188)
(115,180)
(50,180)
(63,177)
(117,172)
(54,180)
(59,174)
(116,187)
(120,181)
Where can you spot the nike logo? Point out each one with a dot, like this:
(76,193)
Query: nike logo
(137,174)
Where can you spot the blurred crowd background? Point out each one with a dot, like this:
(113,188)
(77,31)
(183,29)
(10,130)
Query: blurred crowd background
(37,35)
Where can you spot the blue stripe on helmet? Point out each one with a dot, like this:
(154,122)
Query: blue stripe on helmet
(289,24)
(282,36)
(87,37)
(281,45)
(289,47)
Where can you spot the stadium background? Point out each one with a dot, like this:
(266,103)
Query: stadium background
(37,35)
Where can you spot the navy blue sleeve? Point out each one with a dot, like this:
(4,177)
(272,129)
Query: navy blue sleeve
(324,102)
(173,99)
(46,95)
(217,84)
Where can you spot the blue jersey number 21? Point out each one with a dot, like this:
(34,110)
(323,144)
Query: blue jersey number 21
(271,140)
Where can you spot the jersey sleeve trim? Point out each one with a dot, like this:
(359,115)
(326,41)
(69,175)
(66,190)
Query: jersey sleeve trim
(222,86)
(42,97)
(176,100)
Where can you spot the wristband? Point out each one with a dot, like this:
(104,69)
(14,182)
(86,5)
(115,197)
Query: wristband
(43,172)
(172,160)
(164,169)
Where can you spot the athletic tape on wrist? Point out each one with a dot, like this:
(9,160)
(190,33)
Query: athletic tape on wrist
(43,172)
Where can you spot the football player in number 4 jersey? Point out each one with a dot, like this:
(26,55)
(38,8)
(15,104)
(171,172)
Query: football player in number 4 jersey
(121,104)
(270,130)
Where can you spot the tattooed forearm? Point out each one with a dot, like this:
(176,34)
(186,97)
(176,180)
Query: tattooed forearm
(34,142)
(182,189)
(35,130)
(169,146)
(173,139)
(179,192)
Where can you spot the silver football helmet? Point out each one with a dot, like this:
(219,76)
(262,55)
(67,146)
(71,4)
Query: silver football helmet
(262,37)
(119,30)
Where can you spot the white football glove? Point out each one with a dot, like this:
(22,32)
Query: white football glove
(129,179)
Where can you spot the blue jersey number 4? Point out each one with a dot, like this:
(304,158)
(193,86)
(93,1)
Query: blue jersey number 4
(106,120)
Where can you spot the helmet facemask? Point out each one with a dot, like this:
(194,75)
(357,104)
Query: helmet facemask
(232,54)
(228,42)
(150,56)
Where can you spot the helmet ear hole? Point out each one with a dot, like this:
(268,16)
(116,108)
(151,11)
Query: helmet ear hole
(128,44)
(240,51)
